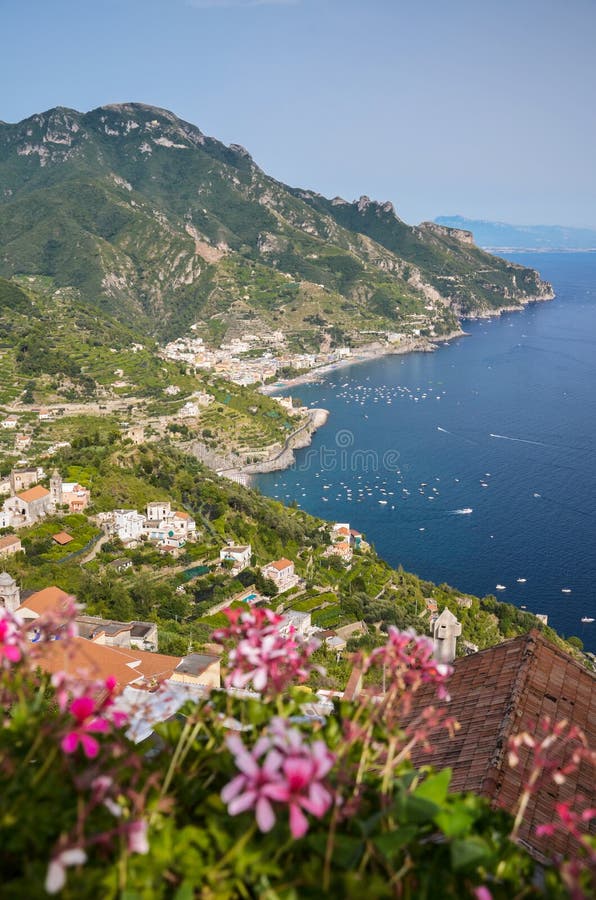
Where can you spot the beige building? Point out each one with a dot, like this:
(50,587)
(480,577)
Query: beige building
(129,635)
(10,544)
(29,506)
(282,573)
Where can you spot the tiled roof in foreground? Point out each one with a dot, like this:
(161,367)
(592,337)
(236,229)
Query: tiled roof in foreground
(497,693)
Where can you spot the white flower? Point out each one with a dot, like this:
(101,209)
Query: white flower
(56,875)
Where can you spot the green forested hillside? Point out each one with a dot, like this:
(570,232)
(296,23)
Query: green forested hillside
(161,226)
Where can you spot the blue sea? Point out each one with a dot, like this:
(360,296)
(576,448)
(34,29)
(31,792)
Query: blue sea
(473,465)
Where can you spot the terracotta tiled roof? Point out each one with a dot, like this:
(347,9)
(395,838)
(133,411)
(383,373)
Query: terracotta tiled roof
(47,600)
(181,515)
(497,693)
(62,538)
(8,540)
(35,493)
(342,545)
(280,564)
(98,661)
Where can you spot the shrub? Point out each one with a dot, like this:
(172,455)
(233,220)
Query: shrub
(247,796)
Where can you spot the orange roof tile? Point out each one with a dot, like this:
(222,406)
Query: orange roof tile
(35,493)
(181,515)
(8,540)
(62,538)
(47,600)
(90,660)
(281,564)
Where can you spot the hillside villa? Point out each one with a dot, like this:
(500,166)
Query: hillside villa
(160,525)
(282,574)
(239,555)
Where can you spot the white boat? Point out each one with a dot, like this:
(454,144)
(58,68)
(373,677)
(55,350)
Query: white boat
(587,619)
(565,590)
(501,587)
(382,502)
(521,580)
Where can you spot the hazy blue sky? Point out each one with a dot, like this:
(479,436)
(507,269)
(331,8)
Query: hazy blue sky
(480,107)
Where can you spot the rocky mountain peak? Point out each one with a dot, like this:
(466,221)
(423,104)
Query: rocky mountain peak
(365,203)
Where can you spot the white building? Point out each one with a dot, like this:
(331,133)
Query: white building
(190,410)
(128,524)
(158,510)
(239,555)
(299,624)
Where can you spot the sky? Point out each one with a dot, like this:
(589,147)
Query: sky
(485,108)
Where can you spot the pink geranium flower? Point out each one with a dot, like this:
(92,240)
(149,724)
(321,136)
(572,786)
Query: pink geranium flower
(291,774)
(90,705)
(12,640)
(263,656)
(408,662)
(86,723)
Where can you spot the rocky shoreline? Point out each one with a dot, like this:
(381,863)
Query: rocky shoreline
(285,457)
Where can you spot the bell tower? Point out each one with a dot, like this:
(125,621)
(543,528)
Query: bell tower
(10,593)
(56,488)
(446,630)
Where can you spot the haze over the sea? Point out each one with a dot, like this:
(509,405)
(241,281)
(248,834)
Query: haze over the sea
(502,423)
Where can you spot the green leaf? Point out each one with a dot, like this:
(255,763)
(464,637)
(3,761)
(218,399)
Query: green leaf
(347,851)
(391,843)
(435,787)
(469,853)
(185,891)
(419,809)
(454,822)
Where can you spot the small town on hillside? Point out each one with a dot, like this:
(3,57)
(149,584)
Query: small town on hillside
(259,359)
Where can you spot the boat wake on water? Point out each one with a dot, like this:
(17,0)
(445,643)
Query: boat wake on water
(461,512)
(506,437)
(459,436)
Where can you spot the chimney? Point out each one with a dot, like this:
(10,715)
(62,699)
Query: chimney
(445,630)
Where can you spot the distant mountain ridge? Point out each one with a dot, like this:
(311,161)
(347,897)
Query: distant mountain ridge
(502,236)
(161,226)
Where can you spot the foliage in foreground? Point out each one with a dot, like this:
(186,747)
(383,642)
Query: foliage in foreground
(243,795)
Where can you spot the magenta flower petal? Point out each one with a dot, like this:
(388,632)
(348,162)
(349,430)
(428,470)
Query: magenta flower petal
(70,742)
(259,679)
(99,726)
(11,652)
(233,788)
(265,815)
(90,746)
(82,707)
(298,821)
(242,802)
(299,771)
(277,790)
(318,800)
